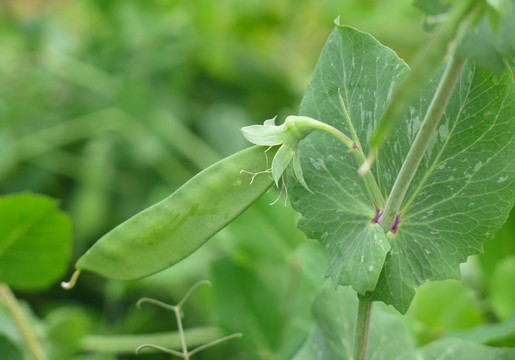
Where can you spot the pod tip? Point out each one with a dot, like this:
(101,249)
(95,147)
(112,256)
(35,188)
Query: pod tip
(68,285)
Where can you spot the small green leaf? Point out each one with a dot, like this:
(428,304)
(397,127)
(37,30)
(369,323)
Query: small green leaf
(281,160)
(35,239)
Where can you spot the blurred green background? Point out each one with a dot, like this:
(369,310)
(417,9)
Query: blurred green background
(109,106)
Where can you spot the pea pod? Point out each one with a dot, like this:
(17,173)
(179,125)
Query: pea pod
(169,231)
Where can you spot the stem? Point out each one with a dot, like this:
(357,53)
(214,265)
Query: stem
(361,332)
(355,147)
(357,151)
(13,306)
(434,114)
(425,64)
(125,344)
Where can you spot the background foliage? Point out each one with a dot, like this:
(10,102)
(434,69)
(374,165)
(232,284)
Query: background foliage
(111,106)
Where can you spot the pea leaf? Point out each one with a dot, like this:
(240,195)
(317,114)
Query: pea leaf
(339,211)
(34,241)
(461,193)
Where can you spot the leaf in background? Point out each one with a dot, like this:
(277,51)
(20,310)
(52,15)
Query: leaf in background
(487,333)
(339,213)
(502,296)
(433,7)
(9,350)
(481,46)
(245,304)
(447,213)
(65,327)
(489,42)
(335,316)
(446,305)
(455,349)
(35,239)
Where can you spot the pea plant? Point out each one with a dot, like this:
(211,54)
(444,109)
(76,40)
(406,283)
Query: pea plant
(401,174)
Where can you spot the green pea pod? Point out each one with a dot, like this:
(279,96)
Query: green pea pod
(169,231)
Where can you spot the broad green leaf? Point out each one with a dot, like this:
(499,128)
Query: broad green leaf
(462,192)
(447,213)
(339,211)
(455,349)
(332,338)
(35,239)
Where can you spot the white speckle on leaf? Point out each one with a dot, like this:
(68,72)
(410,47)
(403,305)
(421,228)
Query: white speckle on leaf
(434,232)
(370,268)
(427,251)
(318,163)
(502,179)
(441,166)
(477,166)
(362,259)
(443,131)
(339,210)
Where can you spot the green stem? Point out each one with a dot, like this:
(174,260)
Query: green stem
(361,331)
(126,344)
(13,306)
(355,147)
(434,114)
(424,65)
(357,151)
